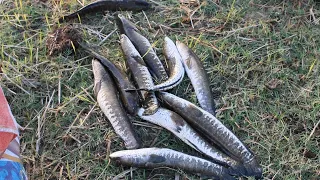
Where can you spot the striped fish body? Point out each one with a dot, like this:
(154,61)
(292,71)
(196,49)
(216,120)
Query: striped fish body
(213,129)
(130,99)
(198,77)
(175,65)
(140,74)
(108,101)
(145,49)
(108,5)
(176,124)
(160,157)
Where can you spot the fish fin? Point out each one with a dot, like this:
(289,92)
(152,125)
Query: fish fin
(155,159)
(253,169)
(139,60)
(125,25)
(97,88)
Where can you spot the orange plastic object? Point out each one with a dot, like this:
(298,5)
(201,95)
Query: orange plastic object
(8,126)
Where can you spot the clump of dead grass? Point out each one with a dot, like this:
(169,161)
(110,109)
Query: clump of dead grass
(67,37)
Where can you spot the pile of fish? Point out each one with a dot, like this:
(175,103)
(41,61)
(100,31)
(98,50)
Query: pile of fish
(225,156)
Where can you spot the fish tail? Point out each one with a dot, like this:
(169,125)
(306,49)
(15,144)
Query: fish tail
(253,169)
(62,19)
(238,169)
(67,18)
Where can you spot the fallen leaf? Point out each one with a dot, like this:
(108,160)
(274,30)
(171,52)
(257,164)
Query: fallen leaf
(309,154)
(63,38)
(186,9)
(273,83)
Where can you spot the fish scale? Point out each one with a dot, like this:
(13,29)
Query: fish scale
(107,98)
(159,157)
(198,77)
(175,64)
(114,119)
(144,47)
(230,136)
(129,98)
(211,127)
(154,58)
(175,124)
(140,74)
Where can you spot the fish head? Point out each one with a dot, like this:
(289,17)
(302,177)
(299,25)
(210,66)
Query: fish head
(99,73)
(185,53)
(138,157)
(189,57)
(181,47)
(172,101)
(168,43)
(125,25)
(169,48)
(98,69)
(128,158)
(128,49)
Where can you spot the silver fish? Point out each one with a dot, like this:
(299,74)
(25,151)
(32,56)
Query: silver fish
(176,124)
(213,129)
(159,157)
(130,99)
(145,49)
(107,98)
(140,73)
(198,76)
(175,63)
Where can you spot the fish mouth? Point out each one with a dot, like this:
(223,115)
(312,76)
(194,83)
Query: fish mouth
(117,154)
(123,24)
